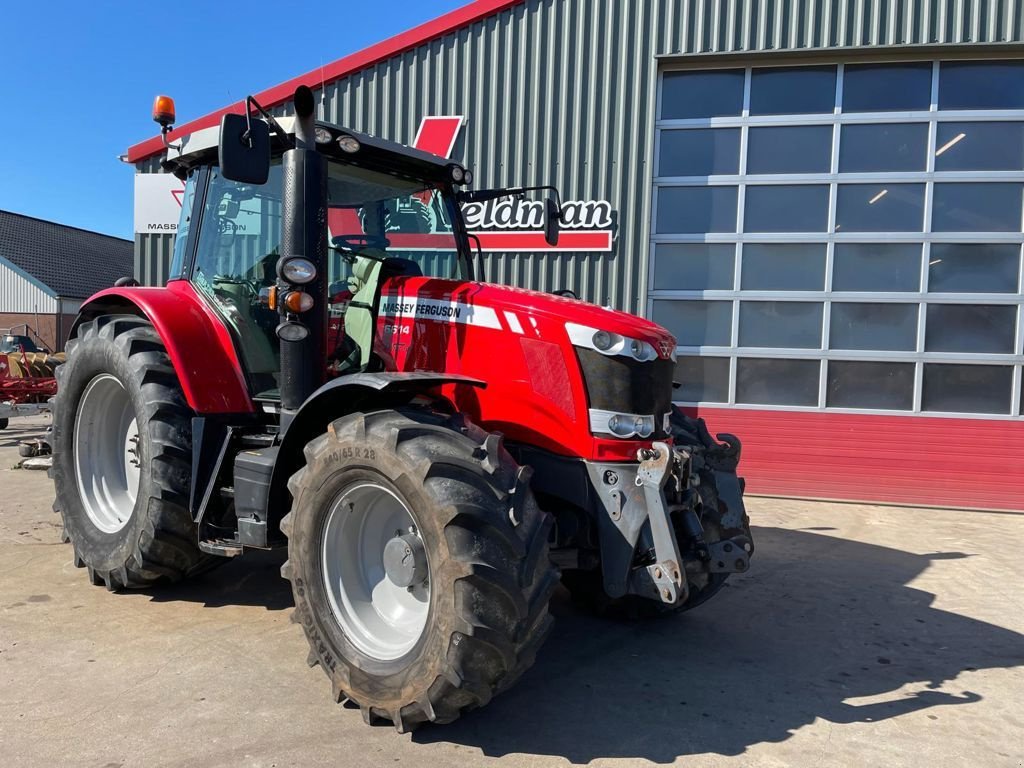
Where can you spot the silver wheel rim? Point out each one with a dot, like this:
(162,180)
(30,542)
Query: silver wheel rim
(379,617)
(106,443)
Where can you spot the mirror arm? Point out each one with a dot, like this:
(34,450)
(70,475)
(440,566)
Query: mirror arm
(251,102)
(479,251)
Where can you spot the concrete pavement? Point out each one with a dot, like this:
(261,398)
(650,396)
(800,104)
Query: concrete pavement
(862,636)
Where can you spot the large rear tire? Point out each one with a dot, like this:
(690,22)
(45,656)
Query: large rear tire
(122,457)
(465,619)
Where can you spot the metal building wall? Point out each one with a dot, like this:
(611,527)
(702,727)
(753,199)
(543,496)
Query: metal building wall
(563,92)
(21,294)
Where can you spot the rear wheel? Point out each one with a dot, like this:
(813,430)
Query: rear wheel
(122,457)
(419,564)
(4,423)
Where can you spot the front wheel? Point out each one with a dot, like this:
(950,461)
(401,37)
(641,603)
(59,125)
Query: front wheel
(419,564)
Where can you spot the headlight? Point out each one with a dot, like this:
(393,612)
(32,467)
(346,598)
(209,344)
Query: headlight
(349,144)
(298,271)
(603,341)
(624,425)
(458,173)
(608,343)
(323,136)
(467,178)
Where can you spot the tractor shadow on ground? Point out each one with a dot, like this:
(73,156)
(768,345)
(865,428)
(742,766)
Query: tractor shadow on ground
(819,621)
(251,580)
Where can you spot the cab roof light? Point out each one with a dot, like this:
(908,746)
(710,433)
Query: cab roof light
(163,111)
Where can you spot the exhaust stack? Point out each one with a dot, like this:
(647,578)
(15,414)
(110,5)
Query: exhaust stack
(304,234)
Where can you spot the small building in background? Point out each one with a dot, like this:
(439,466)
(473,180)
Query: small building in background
(47,270)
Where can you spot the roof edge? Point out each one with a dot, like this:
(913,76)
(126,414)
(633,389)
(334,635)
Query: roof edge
(28,277)
(65,226)
(347,65)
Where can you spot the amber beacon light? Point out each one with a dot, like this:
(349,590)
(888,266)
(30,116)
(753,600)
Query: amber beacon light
(163,111)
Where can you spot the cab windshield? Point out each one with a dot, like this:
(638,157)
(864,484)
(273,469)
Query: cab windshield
(374,219)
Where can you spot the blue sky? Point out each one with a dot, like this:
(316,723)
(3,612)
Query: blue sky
(79,80)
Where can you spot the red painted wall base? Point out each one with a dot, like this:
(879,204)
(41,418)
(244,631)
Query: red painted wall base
(970,463)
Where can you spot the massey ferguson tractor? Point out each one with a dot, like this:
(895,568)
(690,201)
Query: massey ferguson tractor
(323,373)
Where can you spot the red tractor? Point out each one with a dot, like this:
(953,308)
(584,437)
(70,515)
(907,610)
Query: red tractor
(322,373)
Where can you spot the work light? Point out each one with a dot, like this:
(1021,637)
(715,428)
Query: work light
(298,271)
(349,144)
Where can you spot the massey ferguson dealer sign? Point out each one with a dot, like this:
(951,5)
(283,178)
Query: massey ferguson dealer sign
(511,224)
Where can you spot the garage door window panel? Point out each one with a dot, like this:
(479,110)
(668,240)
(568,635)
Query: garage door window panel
(789,149)
(981,85)
(699,152)
(696,210)
(887,87)
(977,207)
(883,148)
(783,267)
(792,90)
(696,323)
(870,385)
(974,268)
(880,208)
(704,94)
(694,266)
(781,324)
(971,329)
(876,267)
(873,326)
(952,388)
(703,379)
(775,381)
(791,208)
(988,146)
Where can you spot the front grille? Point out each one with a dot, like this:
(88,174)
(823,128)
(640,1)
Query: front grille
(624,385)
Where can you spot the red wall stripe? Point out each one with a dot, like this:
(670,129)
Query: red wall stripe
(968,463)
(449,22)
(568,240)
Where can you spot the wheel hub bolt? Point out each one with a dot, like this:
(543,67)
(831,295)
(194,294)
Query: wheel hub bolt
(405,560)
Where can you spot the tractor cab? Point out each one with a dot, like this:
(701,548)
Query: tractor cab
(391,211)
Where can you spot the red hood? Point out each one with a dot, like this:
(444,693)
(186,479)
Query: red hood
(544,307)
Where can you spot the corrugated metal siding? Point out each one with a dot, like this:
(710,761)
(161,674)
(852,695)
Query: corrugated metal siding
(724,26)
(562,91)
(18,294)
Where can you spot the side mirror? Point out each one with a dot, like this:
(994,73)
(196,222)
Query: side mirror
(552,220)
(244,150)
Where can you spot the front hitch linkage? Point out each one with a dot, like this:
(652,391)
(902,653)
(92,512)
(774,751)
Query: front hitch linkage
(656,464)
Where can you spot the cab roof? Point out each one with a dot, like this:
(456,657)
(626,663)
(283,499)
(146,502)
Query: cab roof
(200,148)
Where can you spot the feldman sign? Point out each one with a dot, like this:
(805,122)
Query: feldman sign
(514,224)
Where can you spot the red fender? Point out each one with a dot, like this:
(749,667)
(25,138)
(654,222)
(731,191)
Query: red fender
(196,339)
